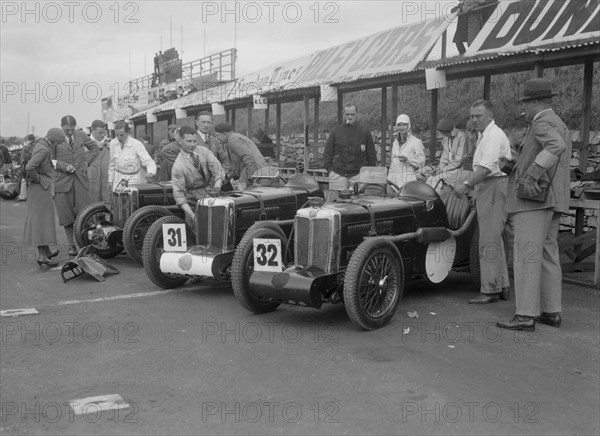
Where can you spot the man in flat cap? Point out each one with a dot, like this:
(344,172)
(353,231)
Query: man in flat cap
(98,169)
(538,193)
(72,185)
(244,156)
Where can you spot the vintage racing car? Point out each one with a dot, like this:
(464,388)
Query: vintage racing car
(174,252)
(359,250)
(133,209)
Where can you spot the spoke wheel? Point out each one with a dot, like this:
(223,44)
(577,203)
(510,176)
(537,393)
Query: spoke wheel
(87,230)
(152,251)
(137,226)
(373,284)
(242,266)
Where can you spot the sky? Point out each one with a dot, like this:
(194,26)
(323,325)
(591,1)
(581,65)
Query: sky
(63,57)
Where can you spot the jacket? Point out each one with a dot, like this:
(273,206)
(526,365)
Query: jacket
(548,144)
(76,155)
(348,149)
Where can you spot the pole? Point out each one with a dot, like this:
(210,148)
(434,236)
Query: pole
(27,123)
(433,125)
(170,30)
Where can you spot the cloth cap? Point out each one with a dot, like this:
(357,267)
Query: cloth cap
(445,125)
(403,119)
(55,135)
(31,137)
(536,89)
(98,123)
(172,126)
(223,128)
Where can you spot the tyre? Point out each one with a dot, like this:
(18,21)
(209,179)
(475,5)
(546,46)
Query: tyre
(136,227)
(374,283)
(91,217)
(152,250)
(243,265)
(474,261)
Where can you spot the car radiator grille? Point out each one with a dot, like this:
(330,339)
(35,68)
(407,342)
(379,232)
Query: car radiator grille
(213,226)
(313,242)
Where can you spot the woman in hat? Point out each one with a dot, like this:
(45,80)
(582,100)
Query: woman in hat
(408,154)
(40,224)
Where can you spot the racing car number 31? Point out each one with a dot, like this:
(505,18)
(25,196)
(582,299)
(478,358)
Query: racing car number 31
(174,237)
(267,255)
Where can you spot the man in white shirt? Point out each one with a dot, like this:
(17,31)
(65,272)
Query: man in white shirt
(129,161)
(490,186)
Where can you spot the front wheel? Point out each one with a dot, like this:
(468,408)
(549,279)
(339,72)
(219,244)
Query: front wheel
(374,283)
(242,266)
(152,250)
(136,227)
(88,230)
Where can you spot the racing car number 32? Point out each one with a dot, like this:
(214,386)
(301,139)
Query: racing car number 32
(267,255)
(174,237)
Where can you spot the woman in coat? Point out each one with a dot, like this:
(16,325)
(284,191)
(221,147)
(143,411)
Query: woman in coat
(408,154)
(40,224)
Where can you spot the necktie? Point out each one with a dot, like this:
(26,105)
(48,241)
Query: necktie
(71,141)
(196,160)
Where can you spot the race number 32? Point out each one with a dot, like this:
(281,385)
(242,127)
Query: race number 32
(174,237)
(267,255)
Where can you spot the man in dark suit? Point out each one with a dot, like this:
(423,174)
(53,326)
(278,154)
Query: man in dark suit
(72,184)
(244,157)
(538,193)
(204,124)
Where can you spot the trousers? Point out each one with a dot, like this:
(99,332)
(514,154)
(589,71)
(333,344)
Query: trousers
(490,199)
(538,275)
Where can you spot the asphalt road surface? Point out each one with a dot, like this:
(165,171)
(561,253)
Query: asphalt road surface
(193,361)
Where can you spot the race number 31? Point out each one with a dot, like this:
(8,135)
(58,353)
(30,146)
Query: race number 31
(174,237)
(267,255)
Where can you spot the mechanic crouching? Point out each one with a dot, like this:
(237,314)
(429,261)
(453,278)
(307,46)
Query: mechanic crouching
(195,169)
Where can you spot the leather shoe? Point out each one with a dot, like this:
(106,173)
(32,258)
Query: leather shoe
(73,251)
(505,294)
(551,319)
(54,253)
(485,299)
(518,322)
(45,261)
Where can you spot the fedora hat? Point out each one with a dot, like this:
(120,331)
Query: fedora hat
(537,89)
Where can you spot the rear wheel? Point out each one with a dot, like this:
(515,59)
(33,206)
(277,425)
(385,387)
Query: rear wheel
(374,283)
(136,227)
(87,230)
(242,265)
(152,250)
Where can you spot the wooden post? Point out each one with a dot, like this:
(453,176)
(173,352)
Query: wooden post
(233,118)
(227,115)
(487,85)
(250,109)
(588,75)
(394,115)
(306,148)
(433,125)
(266,127)
(278,131)
(539,69)
(340,106)
(384,122)
(316,129)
